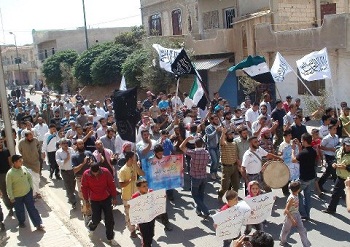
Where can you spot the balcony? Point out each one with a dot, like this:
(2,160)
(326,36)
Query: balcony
(212,42)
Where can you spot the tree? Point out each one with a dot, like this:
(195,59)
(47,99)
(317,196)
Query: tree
(133,38)
(107,67)
(141,68)
(51,67)
(132,68)
(82,67)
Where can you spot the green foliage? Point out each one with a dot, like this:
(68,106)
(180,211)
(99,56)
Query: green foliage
(51,67)
(141,68)
(107,66)
(311,104)
(82,67)
(132,38)
(133,67)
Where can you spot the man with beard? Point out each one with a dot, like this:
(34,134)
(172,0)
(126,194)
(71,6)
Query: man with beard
(145,147)
(230,166)
(252,162)
(81,161)
(29,148)
(242,142)
(227,121)
(108,140)
(56,120)
(104,156)
(213,132)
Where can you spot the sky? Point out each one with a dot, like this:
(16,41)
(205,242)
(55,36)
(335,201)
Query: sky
(22,16)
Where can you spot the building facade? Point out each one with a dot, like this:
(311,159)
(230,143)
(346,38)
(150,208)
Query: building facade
(22,71)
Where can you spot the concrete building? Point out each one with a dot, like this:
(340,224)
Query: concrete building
(23,73)
(221,33)
(217,33)
(317,24)
(48,42)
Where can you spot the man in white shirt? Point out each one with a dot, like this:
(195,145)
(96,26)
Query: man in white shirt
(326,120)
(64,160)
(187,101)
(252,115)
(252,162)
(266,102)
(288,119)
(86,107)
(49,147)
(176,101)
(40,129)
(99,109)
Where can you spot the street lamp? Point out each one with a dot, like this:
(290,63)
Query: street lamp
(17,59)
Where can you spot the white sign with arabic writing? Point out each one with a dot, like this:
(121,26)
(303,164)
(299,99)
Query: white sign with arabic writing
(315,66)
(261,207)
(146,207)
(280,68)
(229,222)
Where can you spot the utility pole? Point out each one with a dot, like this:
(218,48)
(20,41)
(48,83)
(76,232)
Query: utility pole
(17,60)
(5,111)
(85,28)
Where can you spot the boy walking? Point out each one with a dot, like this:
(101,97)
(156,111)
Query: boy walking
(292,217)
(20,191)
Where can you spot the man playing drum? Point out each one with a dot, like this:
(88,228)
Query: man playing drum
(252,162)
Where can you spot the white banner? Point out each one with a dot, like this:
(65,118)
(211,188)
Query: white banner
(315,66)
(229,222)
(166,56)
(261,207)
(280,68)
(146,207)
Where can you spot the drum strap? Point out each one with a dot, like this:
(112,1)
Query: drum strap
(257,156)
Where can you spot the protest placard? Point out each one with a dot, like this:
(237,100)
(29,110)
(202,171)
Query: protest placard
(261,207)
(164,173)
(229,222)
(146,207)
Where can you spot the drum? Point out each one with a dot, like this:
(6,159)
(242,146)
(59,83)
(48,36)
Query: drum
(276,174)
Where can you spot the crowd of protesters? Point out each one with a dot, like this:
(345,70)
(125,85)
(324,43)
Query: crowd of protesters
(79,140)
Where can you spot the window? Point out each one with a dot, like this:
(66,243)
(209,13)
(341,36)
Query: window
(211,20)
(177,22)
(229,14)
(155,25)
(314,86)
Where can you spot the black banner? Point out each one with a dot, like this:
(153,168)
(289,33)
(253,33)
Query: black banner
(124,105)
(182,65)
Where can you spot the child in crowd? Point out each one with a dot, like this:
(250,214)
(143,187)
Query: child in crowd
(146,229)
(232,200)
(292,216)
(253,190)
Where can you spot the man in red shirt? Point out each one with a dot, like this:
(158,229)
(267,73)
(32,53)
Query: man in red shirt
(98,187)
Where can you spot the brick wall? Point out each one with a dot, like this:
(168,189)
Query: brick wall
(295,14)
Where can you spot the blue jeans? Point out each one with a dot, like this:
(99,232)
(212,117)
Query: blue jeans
(27,201)
(215,157)
(305,201)
(197,190)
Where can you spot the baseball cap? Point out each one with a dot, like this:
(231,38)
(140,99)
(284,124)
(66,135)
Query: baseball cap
(15,158)
(346,141)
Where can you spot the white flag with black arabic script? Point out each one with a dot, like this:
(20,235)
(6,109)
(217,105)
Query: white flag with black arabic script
(280,68)
(166,56)
(315,66)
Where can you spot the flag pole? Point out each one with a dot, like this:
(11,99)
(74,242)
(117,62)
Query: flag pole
(177,92)
(307,88)
(278,91)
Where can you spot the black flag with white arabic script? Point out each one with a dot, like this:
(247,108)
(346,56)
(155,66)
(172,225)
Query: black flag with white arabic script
(182,65)
(124,105)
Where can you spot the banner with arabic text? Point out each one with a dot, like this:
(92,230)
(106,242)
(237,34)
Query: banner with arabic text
(261,207)
(164,173)
(146,207)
